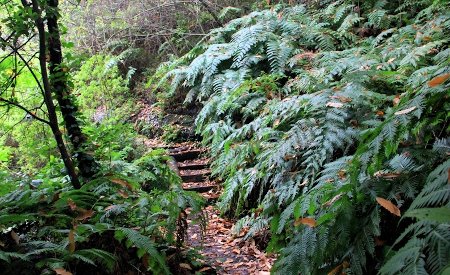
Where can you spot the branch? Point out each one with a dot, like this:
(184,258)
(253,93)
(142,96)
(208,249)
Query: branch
(24,109)
(208,8)
(16,51)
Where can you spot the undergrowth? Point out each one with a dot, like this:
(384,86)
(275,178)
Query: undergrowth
(328,124)
(126,219)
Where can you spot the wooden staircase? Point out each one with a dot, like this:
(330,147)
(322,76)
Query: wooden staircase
(194,170)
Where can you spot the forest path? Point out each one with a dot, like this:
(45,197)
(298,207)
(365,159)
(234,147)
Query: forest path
(225,253)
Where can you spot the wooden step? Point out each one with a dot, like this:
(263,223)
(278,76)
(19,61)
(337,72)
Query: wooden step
(195,175)
(181,148)
(193,165)
(199,189)
(186,155)
(210,198)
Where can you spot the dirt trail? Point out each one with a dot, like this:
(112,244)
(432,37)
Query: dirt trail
(225,253)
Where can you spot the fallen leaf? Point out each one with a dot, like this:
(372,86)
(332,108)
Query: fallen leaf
(123,194)
(333,200)
(342,174)
(61,271)
(342,99)
(335,270)
(334,104)
(405,111)
(389,206)
(185,266)
(15,237)
(84,214)
(229,261)
(438,80)
(204,269)
(72,240)
(276,123)
(306,221)
(381,174)
(72,204)
(396,100)
(121,182)
(109,207)
(391,60)
(380,113)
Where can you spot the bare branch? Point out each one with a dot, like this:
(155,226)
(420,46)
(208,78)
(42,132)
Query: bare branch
(33,115)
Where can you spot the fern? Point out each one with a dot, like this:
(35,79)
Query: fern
(143,242)
(314,113)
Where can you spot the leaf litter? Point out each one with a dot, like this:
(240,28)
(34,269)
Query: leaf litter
(223,251)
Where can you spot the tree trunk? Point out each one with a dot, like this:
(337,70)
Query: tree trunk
(58,81)
(53,119)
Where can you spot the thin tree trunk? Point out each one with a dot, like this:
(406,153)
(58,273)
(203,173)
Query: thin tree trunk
(53,119)
(58,79)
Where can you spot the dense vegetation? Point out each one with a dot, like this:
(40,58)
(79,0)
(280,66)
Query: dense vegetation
(327,123)
(322,118)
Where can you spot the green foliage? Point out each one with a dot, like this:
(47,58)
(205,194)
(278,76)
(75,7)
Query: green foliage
(101,88)
(59,226)
(315,113)
(171,133)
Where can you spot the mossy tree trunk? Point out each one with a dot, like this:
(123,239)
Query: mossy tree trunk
(59,82)
(55,80)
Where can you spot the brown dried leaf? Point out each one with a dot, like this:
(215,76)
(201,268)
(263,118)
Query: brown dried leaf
(71,204)
(438,80)
(333,200)
(15,237)
(185,266)
(276,123)
(123,194)
(389,206)
(109,207)
(84,214)
(62,271)
(229,261)
(396,100)
(342,174)
(306,221)
(335,270)
(334,104)
(342,99)
(380,113)
(389,176)
(405,111)
(237,251)
(121,182)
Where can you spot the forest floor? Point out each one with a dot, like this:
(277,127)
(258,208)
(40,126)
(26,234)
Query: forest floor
(222,251)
